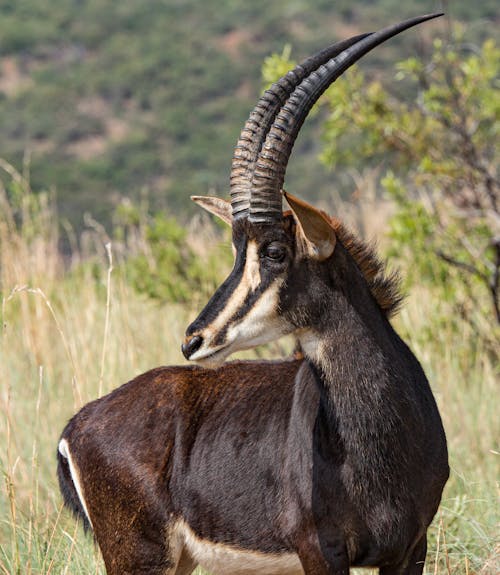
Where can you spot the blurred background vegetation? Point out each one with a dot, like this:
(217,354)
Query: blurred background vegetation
(113,114)
(104,99)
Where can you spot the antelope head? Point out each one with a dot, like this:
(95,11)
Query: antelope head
(282,259)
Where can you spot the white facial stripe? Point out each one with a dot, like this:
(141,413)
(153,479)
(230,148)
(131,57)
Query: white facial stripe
(249,282)
(75,476)
(262,323)
(230,560)
(252,266)
(236,300)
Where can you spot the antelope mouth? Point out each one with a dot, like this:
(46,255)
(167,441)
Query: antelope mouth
(208,358)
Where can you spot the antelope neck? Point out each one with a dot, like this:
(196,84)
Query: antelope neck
(358,359)
(352,339)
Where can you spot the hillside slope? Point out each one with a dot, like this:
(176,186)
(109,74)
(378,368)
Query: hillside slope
(112,98)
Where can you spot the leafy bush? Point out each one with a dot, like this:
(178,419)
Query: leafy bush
(442,150)
(160,261)
(443,158)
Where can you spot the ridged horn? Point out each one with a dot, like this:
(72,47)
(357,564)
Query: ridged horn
(261,118)
(270,167)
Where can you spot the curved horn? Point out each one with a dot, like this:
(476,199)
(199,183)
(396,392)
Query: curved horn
(269,173)
(259,122)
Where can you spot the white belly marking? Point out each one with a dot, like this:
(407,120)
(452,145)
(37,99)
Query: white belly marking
(222,559)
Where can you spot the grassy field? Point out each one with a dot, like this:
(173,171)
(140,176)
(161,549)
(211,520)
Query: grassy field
(70,334)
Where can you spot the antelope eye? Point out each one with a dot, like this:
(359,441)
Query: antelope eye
(275,252)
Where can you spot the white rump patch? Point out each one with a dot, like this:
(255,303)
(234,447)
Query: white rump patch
(75,476)
(222,559)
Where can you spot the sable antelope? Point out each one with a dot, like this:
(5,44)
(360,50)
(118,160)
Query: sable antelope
(308,466)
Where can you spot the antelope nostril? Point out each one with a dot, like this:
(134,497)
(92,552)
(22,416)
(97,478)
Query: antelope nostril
(191,345)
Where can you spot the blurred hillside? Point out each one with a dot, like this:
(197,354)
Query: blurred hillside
(102,99)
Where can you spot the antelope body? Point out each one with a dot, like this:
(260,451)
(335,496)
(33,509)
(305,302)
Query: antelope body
(308,465)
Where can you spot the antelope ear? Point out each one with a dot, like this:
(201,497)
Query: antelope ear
(315,230)
(217,206)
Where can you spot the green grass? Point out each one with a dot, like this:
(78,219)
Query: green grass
(61,345)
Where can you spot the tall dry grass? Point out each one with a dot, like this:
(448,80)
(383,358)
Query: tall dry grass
(67,337)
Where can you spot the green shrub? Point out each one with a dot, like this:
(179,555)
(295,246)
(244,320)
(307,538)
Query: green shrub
(161,263)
